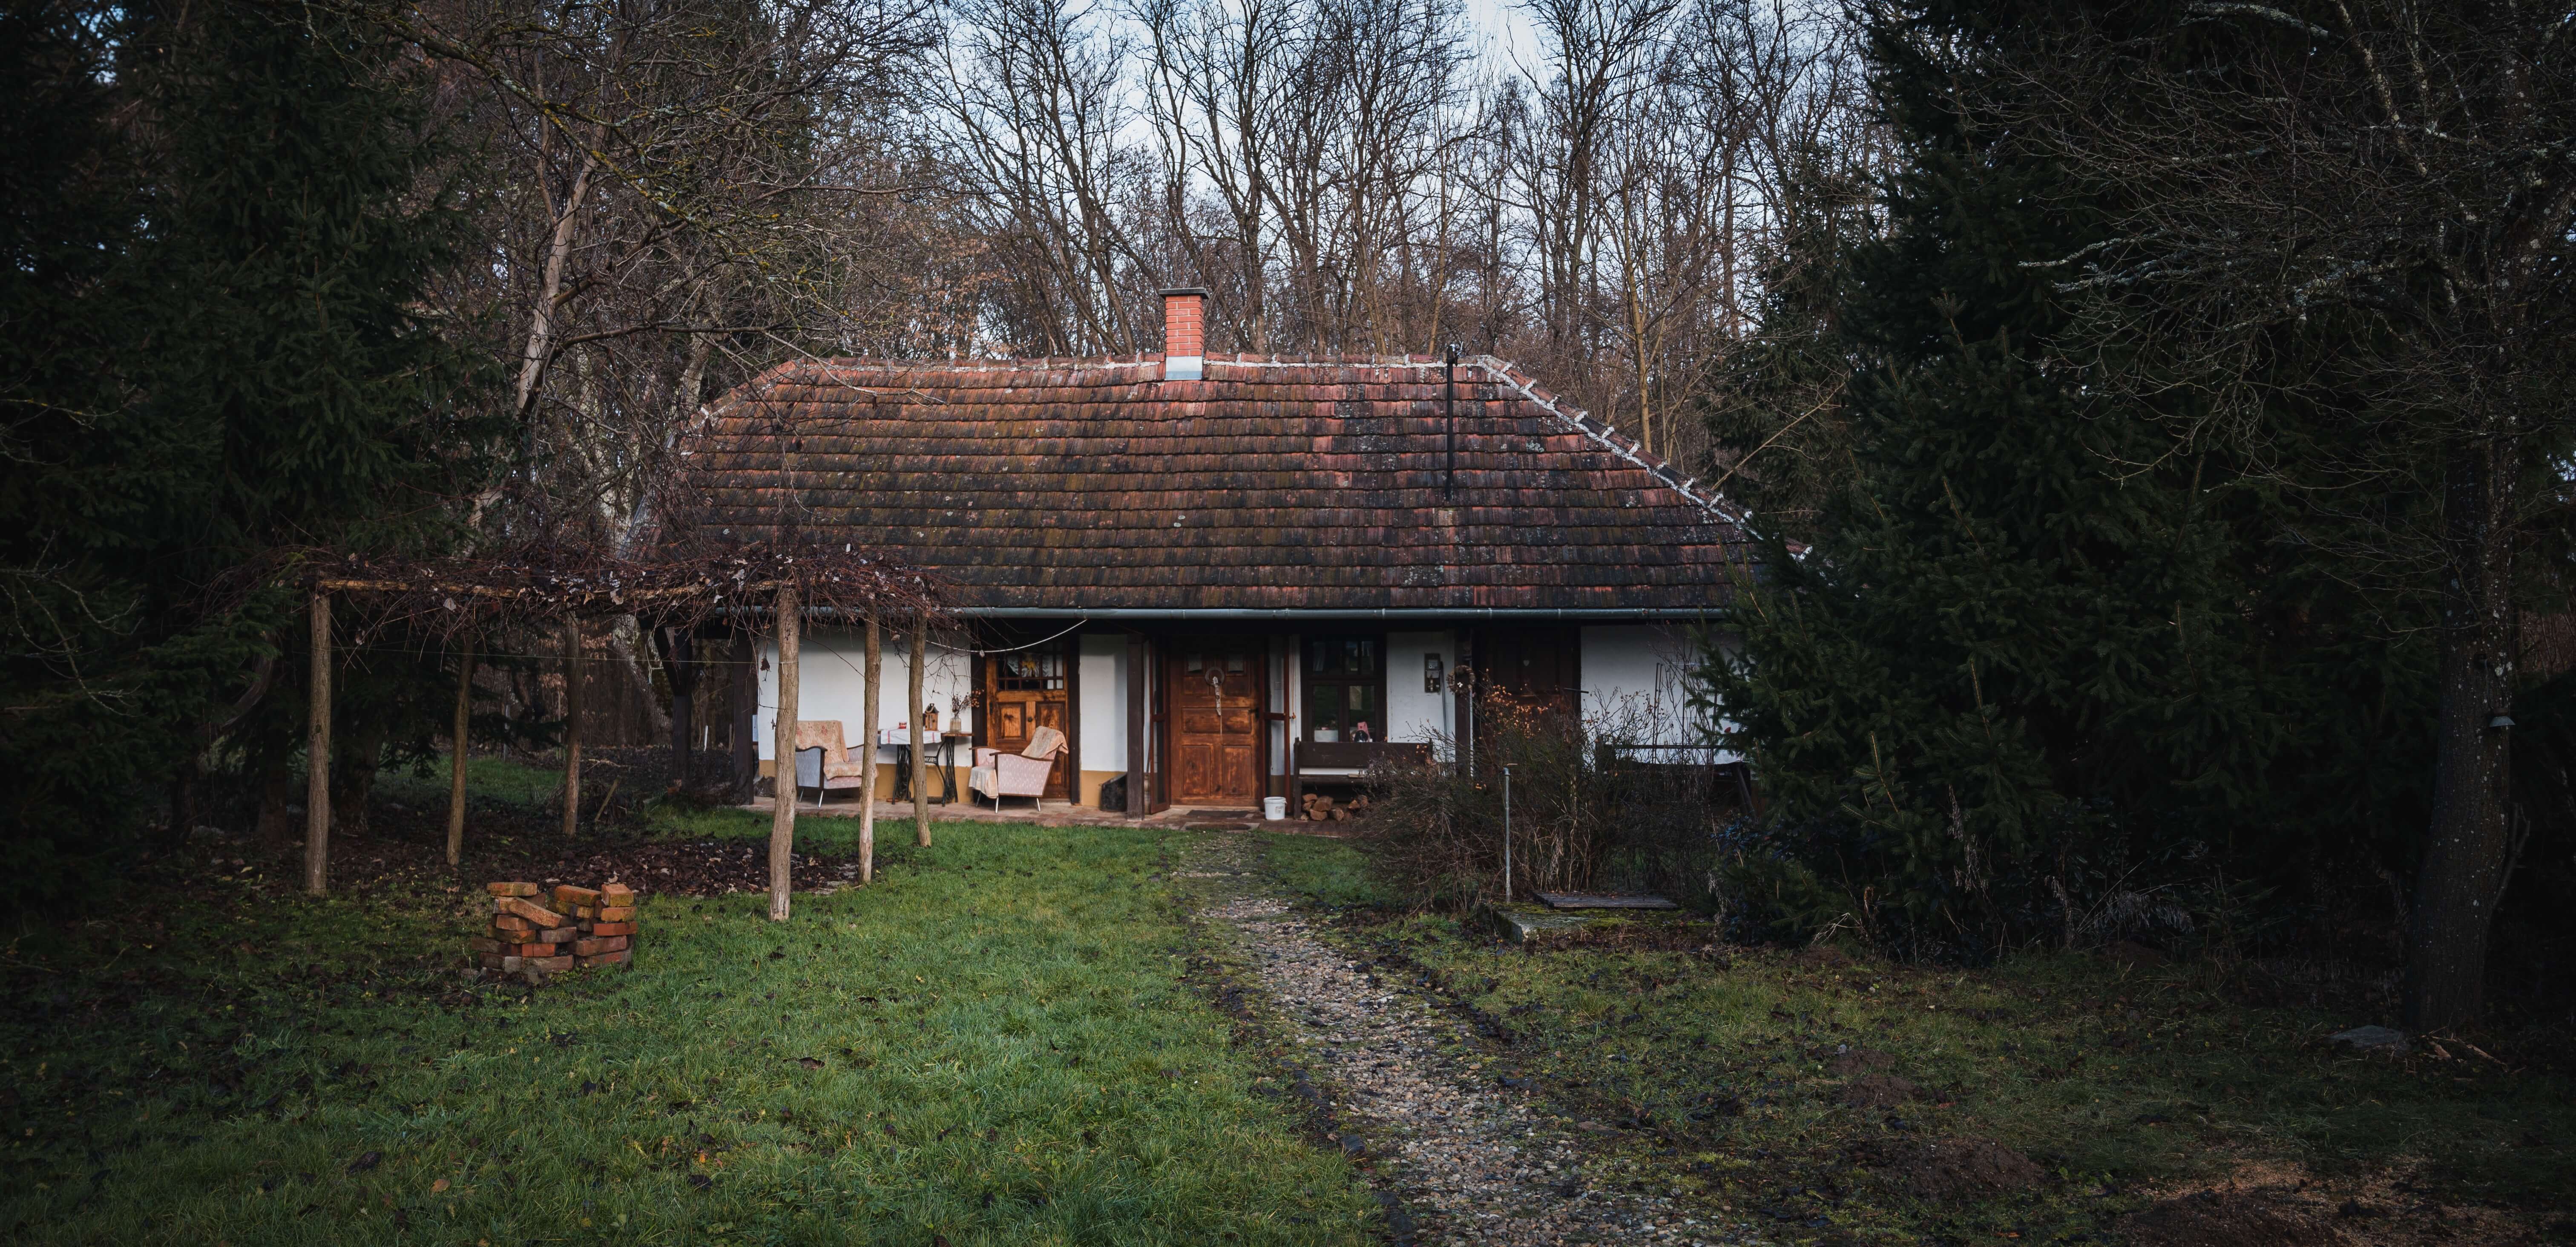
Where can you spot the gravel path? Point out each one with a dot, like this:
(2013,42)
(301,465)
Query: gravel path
(1464,1158)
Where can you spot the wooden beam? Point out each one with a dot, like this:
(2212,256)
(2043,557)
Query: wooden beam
(782,809)
(572,728)
(872,694)
(457,739)
(317,756)
(920,757)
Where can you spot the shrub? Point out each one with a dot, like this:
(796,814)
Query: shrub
(1588,813)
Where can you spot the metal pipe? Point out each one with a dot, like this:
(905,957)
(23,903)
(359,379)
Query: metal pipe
(1449,417)
(1507,833)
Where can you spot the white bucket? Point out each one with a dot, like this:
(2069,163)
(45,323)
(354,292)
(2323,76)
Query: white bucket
(1274,808)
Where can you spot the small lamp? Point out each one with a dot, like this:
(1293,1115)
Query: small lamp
(1431,673)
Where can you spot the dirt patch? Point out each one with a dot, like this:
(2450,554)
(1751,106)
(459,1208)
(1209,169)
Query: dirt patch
(1822,957)
(1859,1061)
(1952,1170)
(2225,1219)
(1880,1091)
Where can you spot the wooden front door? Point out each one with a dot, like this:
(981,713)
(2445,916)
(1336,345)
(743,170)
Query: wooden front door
(1216,687)
(1023,691)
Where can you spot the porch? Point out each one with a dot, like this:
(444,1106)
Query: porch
(1066,814)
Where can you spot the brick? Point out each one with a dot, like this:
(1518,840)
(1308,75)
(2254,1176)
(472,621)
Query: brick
(612,928)
(618,958)
(511,889)
(567,896)
(501,962)
(512,923)
(600,944)
(546,963)
(614,894)
(531,911)
(531,950)
(560,935)
(492,947)
(622,913)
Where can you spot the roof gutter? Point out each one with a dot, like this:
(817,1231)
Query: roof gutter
(1394,612)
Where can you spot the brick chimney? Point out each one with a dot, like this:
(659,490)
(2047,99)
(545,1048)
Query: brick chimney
(1184,334)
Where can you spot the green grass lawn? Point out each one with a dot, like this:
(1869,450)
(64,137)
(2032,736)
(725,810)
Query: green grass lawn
(2121,1082)
(993,1044)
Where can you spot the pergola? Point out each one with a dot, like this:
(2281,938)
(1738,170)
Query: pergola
(547,585)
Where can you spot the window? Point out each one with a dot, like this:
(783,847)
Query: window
(1345,689)
(1029,671)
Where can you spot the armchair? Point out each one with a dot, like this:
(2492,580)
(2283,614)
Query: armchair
(823,762)
(1023,774)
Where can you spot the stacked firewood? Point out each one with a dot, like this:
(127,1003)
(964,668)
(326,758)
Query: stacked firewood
(584,926)
(1321,808)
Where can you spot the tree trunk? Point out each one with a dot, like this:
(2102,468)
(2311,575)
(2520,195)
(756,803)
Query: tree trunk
(632,666)
(354,761)
(460,735)
(678,662)
(912,715)
(872,692)
(782,808)
(317,756)
(276,794)
(572,728)
(183,799)
(2464,857)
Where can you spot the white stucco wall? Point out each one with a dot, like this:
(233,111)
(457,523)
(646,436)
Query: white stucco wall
(1101,717)
(1636,685)
(1412,714)
(831,681)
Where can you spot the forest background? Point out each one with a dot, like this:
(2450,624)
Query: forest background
(2109,587)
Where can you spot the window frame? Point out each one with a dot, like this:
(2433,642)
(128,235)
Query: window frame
(1309,681)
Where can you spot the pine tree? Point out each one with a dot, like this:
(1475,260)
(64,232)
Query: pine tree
(226,227)
(2039,642)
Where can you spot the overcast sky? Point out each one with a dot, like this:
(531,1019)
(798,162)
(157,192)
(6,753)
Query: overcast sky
(1506,30)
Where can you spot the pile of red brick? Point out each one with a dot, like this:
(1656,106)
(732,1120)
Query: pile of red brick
(586,926)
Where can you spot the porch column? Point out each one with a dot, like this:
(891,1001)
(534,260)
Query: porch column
(1136,655)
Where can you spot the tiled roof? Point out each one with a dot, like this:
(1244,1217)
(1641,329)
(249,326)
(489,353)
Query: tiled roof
(1270,484)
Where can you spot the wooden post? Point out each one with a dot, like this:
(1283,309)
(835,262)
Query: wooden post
(317,756)
(782,809)
(572,728)
(456,761)
(920,757)
(872,692)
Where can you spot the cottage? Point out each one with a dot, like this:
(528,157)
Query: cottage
(1227,577)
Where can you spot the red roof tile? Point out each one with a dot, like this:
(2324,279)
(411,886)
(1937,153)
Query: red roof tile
(1313,485)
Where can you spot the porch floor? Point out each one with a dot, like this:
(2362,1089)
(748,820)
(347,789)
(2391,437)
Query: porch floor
(1060,814)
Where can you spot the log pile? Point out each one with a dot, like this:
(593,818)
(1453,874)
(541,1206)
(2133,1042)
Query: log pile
(581,926)
(1321,809)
